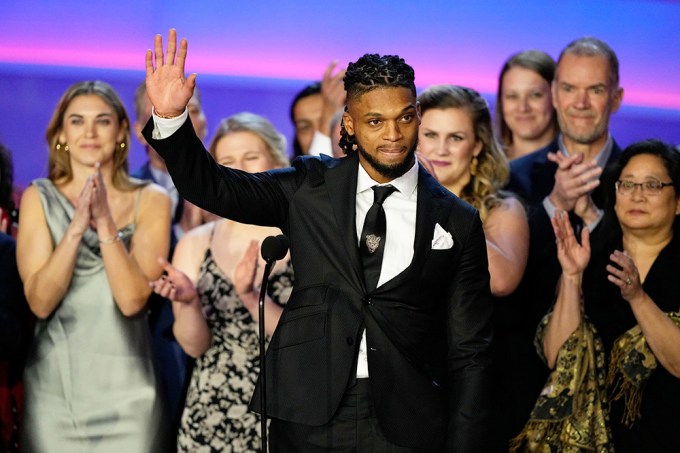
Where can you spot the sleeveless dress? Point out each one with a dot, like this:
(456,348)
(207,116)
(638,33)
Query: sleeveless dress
(216,416)
(89,377)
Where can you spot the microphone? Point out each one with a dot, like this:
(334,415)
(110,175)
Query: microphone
(275,248)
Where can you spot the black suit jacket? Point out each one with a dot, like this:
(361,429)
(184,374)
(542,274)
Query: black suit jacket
(428,329)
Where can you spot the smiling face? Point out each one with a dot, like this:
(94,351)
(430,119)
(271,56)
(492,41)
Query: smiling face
(527,104)
(384,122)
(447,138)
(640,211)
(585,98)
(92,131)
(245,151)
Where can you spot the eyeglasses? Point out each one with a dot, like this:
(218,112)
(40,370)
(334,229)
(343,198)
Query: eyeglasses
(652,187)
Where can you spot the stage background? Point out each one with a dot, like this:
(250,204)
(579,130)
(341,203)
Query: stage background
(256,55)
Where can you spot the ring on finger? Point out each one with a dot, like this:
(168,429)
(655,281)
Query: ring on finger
(629,281)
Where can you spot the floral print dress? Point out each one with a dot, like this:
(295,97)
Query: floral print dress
(216,416)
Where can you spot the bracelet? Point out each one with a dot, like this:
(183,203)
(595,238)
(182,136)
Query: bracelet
(111,240)
(165,117)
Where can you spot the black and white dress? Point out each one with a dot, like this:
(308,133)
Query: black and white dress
(216,416)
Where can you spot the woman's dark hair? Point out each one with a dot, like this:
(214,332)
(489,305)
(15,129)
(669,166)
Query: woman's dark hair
(373,71)
(310,90)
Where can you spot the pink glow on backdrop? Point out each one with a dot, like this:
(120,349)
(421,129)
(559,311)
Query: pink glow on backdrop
(637,91)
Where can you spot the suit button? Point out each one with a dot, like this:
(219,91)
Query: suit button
(368,301)
(350,341)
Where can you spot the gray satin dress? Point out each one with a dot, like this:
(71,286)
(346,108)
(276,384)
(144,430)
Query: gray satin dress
(89,378)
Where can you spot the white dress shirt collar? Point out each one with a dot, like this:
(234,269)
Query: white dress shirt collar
(405,183)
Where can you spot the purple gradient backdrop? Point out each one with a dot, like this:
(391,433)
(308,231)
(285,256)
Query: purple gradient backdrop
(256,55)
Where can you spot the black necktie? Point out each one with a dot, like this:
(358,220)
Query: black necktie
(373,237)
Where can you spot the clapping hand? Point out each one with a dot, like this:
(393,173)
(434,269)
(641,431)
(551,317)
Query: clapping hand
(99,204)
(574,179)
(175,286)
(573,257)
(82,216)
(244,278)
(168,90)
(625,276)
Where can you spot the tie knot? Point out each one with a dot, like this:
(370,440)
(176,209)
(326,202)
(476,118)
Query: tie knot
(382,192)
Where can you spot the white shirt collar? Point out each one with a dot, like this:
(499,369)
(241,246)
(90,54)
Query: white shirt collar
(406,184)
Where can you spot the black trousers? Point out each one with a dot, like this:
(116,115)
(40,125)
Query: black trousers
(353,428)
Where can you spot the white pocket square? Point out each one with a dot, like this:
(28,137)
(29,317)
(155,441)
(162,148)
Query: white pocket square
(442,239)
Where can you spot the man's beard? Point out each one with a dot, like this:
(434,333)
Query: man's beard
(584,137)
(389,171)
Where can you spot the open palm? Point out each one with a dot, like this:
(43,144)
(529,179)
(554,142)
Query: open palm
(573,257)
(168,90)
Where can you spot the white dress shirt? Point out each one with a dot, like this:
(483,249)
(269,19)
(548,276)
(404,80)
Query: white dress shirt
(400,215)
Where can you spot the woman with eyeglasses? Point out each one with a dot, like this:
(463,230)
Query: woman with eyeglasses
(613,336)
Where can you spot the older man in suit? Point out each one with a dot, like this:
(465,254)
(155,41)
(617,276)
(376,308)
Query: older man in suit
(567,175)
(371,353)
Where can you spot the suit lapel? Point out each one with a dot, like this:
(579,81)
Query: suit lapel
(341,183)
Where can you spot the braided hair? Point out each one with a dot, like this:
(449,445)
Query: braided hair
(368,73)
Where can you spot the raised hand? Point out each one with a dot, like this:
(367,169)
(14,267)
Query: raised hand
(333,94)
(168,90)
(574,178)
(573,257)
(175,286)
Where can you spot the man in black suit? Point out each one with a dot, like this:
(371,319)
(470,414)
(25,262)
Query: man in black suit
(565,176)
(401,364)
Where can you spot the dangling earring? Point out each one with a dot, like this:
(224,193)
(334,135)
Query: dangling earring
(59,146)
(473,166)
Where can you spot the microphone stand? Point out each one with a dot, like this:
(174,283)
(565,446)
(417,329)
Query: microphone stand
(263,383)
(273,248)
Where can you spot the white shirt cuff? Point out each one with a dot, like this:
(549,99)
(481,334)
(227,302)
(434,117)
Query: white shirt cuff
(165,127)
(549,207)
(321,144)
